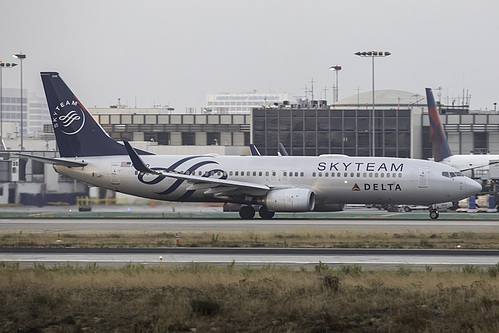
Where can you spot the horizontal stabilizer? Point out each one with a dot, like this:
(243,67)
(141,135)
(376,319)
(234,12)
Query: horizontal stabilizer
(54,160)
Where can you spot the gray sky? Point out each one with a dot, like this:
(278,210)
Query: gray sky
(175,52)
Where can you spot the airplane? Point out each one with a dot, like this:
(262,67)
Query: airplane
(467,164)
(277,184)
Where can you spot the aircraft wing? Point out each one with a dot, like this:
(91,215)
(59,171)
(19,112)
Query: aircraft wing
(53,160)
(212,185)
(479,166)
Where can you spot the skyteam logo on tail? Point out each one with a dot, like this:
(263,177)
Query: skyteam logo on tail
(68,117)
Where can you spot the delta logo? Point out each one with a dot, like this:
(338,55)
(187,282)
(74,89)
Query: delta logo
(378,187)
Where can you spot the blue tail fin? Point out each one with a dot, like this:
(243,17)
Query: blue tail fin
(439,142)
(76,131)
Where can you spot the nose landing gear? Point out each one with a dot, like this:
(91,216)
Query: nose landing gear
(434,213)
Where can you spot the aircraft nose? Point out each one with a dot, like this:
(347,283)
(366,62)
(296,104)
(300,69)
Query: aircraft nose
(472,187)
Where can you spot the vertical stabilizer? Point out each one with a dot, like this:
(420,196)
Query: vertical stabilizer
(439,142)
(76,131)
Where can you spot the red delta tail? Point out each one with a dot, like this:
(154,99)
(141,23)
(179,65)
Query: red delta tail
(439,142)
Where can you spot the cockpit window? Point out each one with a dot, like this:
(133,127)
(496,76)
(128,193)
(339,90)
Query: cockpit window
(452,174)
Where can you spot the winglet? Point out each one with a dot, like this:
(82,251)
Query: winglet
(137,162)
(439,142)
(254,150)
(283,150)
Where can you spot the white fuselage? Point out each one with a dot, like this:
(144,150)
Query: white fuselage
(333,179)
(475,166)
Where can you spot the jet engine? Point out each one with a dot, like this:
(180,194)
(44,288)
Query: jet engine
(290,200)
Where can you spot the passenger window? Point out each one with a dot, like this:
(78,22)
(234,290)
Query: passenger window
(326,174)
(302,174)
(345,175)
(358,174)
(260,173)
(376,175)
(254,173)
(313,174)
(387,175)
(237,173)
(266,173)
(364,175)
(382,175)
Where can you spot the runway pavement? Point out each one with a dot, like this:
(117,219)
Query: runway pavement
(218,225)
(212,220)
(308,258)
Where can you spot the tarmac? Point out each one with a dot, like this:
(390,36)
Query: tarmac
(203,211)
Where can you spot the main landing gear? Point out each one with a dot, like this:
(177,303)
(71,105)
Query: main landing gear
(247,212)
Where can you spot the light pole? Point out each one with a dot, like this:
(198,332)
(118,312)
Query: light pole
(21,56)
(373,54)
(336,69)
(2,65)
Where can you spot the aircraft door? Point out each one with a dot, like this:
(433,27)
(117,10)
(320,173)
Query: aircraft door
(273,176)
(423,177)
(283,176)
(115,178)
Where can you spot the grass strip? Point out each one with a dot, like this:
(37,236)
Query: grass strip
(303,239)
(204,298)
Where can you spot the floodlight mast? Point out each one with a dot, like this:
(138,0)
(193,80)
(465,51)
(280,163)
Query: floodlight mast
(373,54)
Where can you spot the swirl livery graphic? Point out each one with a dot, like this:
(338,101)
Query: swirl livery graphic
(68,119)
(192,168)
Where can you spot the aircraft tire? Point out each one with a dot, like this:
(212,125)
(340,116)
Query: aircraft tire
(265,213)
(434,214)
(247,212)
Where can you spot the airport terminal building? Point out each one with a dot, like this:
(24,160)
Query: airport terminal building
(305,128)
(401,127)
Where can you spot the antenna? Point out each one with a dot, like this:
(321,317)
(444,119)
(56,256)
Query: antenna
(312,90)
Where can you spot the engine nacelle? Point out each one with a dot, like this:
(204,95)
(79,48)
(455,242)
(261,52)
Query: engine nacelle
(290,200)
(329,207)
